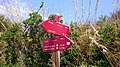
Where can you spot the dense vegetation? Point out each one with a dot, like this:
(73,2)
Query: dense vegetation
(96,45)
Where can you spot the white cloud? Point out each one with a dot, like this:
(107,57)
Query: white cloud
(2,10)
(16,10)
(2,7)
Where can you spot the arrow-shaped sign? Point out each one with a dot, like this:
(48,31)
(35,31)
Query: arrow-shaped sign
(55,28)
(59,43)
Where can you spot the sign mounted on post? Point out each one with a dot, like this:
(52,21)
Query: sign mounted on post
(58,43)
(55,28)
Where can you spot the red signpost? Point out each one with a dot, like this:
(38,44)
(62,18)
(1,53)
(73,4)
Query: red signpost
(56,44)
(60,42)
(55,28)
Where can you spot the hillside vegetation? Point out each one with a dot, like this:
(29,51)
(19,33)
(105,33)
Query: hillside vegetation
(95,45)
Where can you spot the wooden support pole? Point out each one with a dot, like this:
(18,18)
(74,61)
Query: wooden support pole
(56,59)
(53,59)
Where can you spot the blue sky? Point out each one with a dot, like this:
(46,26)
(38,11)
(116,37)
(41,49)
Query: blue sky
(64,7)
(67,9)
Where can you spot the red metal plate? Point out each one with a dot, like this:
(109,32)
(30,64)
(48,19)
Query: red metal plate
(55,28)
(59,43)
(56,18)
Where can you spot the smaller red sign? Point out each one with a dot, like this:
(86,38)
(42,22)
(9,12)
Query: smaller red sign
(56,18)
(59,43)
(55,28)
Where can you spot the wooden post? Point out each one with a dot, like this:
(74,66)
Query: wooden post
(53,59)
(56,59)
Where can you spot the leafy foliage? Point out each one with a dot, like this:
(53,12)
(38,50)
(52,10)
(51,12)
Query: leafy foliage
(22,44)
(4,22)
(11,38)
(33,46)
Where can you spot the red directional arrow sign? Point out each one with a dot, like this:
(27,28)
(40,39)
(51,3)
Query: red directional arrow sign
(55,28)
(59,43)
